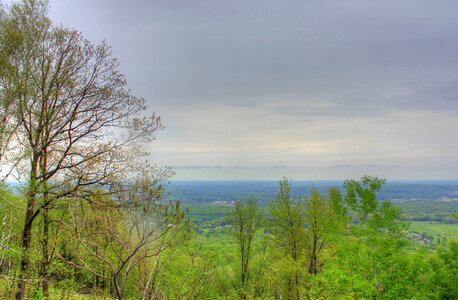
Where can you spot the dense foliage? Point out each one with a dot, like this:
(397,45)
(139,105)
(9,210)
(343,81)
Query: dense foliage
(333,245)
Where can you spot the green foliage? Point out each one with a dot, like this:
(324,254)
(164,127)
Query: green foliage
(245,219)
(363,260)
(372,214)
(90,220)
(360,196)
(287,225)
(325,223)
(444,275)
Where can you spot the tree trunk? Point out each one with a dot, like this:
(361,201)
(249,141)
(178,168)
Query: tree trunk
(26,240)
(27,230)
(46,258)
(46,220)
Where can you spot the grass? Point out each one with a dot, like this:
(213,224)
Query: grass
(434,228)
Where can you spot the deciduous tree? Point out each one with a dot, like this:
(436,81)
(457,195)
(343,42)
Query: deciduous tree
(245,219)
(378,234)
(287,226)
(73,112)
(324,224)
(122,231)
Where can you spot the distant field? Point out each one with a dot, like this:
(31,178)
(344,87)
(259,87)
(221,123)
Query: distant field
(434,228)
(206,192)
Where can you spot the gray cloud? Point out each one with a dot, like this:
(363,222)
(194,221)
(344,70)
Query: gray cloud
(364,166)
(198,167)
(213,51)
(355,78)
(237,167)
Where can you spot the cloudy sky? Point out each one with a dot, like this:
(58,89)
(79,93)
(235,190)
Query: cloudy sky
(311,90)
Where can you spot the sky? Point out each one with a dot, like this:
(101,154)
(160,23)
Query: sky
(311,90)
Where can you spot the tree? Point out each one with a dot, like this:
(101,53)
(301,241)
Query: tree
(377,236)
(245,219)
(8,89)
(288,229)
(136,227)
(361,198)
(74,115)
(323,225)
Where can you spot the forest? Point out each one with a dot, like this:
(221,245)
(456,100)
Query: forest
(84,214)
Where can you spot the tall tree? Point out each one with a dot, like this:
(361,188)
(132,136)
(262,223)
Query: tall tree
(324,223)
(287,226)
(9,89)
(245,219)
(74,113)
(377,235)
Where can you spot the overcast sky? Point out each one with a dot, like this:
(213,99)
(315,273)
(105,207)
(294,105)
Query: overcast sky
(304,89)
